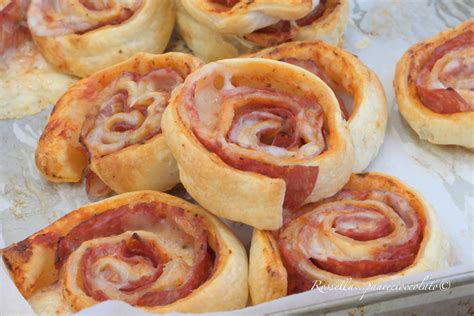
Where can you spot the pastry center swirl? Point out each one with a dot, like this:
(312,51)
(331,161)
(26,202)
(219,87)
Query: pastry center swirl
(149,254)
(129,111)
(359,234)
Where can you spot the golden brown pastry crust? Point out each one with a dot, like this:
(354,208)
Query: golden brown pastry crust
(330,27)
(369,116)
(432,255)
(270,283)
(245,16)
(60,157)
(217,38)
(443,129)
(249,197)
(148,30)
(31,263)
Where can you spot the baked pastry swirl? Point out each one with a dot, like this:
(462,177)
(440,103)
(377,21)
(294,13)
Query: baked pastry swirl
(435,88)
(217,29)
(27,82)
(80,37)
(345,74)
(252,136)
(109,126)
(149,249)
(375,229)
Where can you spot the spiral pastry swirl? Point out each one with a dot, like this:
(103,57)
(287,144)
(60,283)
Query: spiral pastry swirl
(108,122)
(80,37)
(150,250)
(136,266)
(259,138)
(55,18)
(374,229)
(217,29)
(435,89)
(356,233)
(130,110)
(345,74)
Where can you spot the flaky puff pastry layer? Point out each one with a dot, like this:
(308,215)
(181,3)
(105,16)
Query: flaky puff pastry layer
(268,276)
(346,73)
(61,157)
(83,53)
(214,34)
(437,128)
(244,196)
(31,262)
(330,27)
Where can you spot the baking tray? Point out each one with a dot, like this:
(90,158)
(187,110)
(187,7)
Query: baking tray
(379,32)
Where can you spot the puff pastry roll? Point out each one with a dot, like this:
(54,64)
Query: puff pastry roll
(108,126)
(434,86)
(27,82)
(217,29)
(80,37)
(149,249)
(375,229)
(252,136)
(346,75)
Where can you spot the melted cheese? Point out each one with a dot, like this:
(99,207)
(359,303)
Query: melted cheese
(150,93)
(27,83)
(216,101)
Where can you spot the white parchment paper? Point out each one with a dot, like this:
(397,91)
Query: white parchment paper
(379,32)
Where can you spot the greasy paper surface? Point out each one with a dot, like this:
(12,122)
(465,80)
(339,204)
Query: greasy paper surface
(379,32)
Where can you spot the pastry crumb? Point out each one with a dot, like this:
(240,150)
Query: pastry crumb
(363,43)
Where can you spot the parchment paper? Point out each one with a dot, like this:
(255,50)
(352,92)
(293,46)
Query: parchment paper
(379,32)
